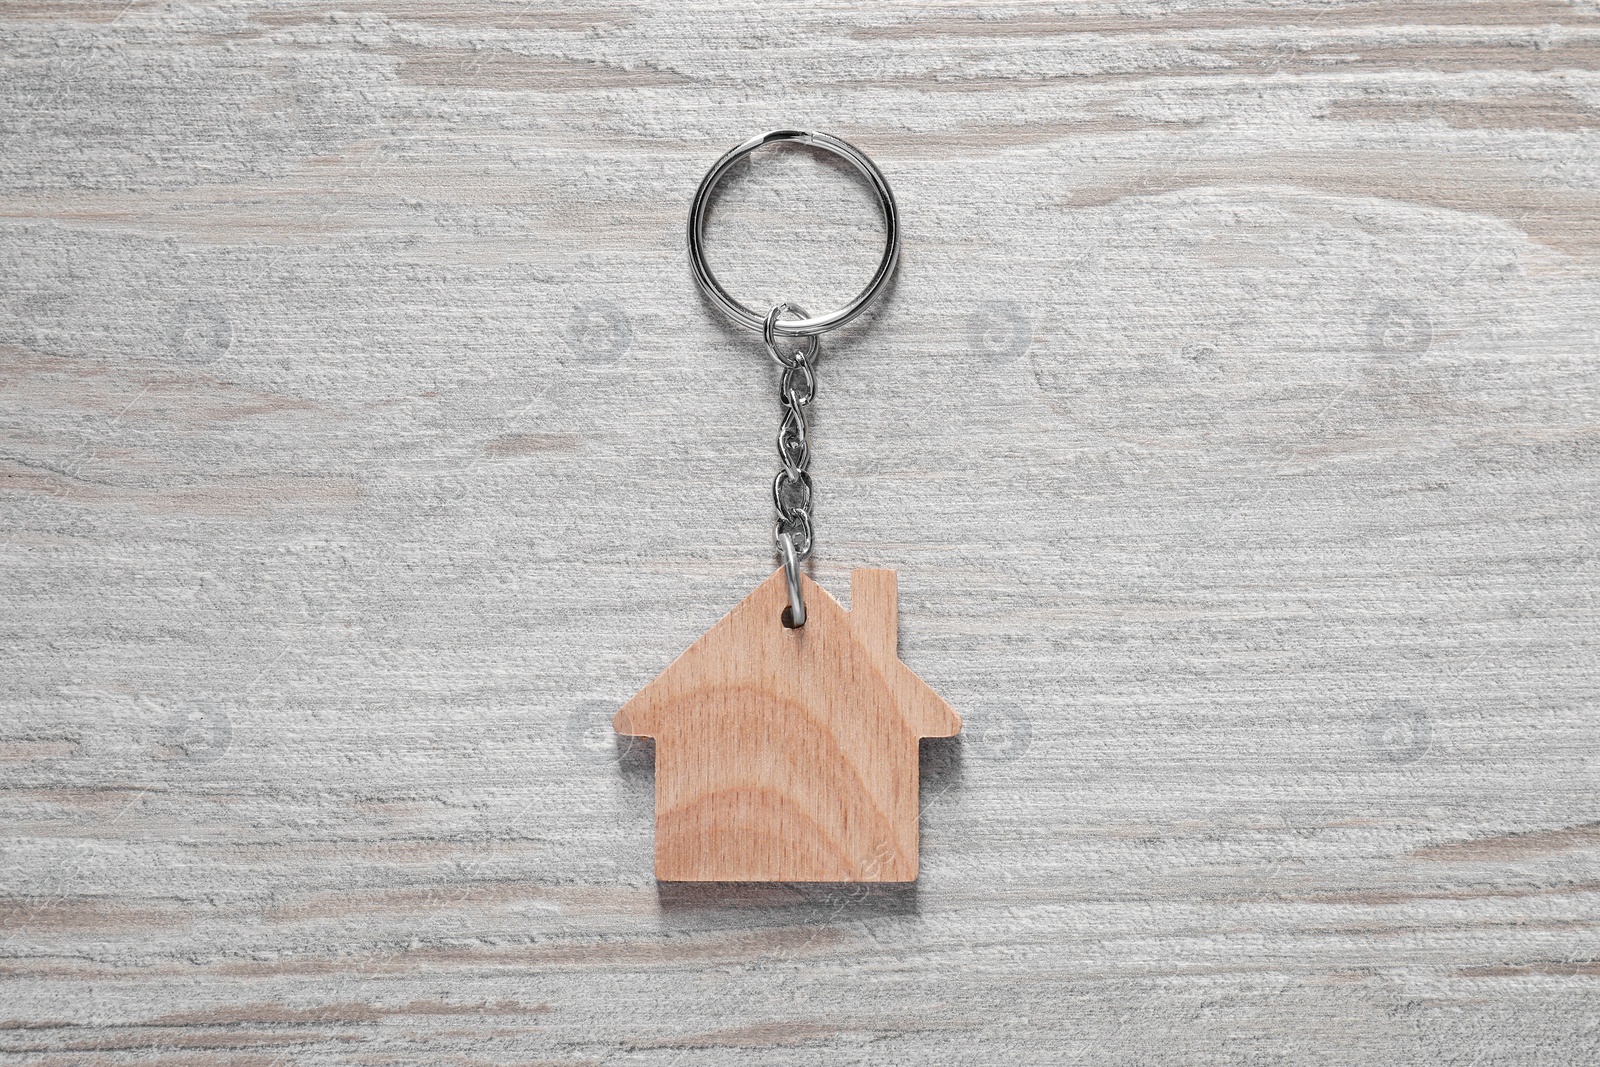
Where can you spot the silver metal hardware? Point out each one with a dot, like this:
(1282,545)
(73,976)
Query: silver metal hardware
(804,326)
(791,486)
(797,380)
(791,574)
(769,337)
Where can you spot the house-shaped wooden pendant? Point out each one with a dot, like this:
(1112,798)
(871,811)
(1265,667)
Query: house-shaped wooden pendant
(790,755)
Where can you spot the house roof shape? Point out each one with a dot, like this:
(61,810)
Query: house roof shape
(791,754)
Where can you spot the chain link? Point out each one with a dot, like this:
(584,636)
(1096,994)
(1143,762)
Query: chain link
(791,487)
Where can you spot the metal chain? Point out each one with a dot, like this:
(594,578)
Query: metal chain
(791,488)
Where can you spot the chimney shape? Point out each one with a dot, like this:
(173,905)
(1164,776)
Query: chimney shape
(874,609)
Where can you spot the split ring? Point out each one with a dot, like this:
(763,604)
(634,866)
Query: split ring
(806,327)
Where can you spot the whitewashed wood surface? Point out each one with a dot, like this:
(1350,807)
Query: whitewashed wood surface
(1234,425)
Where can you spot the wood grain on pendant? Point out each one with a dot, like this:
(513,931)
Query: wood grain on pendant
(790,754)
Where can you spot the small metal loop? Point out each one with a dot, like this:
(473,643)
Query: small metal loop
(791,575)
(806,327)
(796,522)
(786,385)
(793,469)
(769,335)
(794,464)
(782,481)
(794,452)
(793,426)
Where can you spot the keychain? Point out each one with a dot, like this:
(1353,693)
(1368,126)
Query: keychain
(786,736)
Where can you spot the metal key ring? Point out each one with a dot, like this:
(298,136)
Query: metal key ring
(807,327)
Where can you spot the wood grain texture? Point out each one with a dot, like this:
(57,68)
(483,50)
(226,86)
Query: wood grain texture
(364,446)
(790,755)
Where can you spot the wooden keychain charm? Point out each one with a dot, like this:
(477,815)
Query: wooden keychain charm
(787,735)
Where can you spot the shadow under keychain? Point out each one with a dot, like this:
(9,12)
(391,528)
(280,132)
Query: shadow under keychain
(787,735)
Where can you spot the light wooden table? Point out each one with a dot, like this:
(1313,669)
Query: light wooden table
(1234,425)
